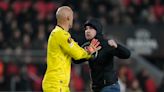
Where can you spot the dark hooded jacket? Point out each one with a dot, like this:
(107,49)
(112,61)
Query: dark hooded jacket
(102,67)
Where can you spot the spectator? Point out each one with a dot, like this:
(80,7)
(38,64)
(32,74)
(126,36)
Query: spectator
(151,17)
(28,29)
(122,76)
(2,40)
(40,40)
(146,82)
(26,42)
(15,40)
(150,85)
(134,86)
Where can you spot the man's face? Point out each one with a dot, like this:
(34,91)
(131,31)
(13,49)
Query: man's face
(90,32)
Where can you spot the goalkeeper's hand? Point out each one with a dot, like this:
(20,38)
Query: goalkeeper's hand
(93,47)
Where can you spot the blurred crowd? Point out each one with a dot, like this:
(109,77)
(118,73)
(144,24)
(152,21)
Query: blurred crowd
(26,25)
(28,77)
(137,82)
(16,76)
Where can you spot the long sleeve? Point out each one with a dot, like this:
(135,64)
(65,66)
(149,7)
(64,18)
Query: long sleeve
(83,60)
(122,52)
(71,47)
(79,61)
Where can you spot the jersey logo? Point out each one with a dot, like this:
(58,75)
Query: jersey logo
(70,41)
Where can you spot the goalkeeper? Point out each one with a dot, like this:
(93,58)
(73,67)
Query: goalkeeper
(61,50)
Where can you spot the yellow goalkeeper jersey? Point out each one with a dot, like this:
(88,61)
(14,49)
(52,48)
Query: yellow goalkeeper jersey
(61,48)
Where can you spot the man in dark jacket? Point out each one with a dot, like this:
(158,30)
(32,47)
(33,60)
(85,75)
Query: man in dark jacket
(104,77)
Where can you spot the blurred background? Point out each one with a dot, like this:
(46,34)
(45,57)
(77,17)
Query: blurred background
(26,24)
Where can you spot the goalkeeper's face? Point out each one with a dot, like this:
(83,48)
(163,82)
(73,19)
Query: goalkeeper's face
(90,32)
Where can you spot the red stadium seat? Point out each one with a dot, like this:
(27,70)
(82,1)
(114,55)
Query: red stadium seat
(26,4)
(159,10)
(40,7)
(1,68)
(4,6)
(12,69)
(17,7)
(51,7)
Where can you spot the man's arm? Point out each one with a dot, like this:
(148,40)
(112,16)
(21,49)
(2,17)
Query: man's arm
(119,51)
(79,61)
(74,50)
(122,52)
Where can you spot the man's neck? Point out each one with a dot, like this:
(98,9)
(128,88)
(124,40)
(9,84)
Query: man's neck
(63,26)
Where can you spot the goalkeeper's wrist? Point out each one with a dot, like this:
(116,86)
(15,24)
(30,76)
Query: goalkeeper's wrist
(90,50)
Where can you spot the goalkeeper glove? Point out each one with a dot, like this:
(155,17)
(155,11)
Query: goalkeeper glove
(93,47)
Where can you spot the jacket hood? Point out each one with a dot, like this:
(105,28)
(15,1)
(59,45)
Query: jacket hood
(95,23)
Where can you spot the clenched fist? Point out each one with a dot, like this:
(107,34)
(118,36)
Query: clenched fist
(112,43)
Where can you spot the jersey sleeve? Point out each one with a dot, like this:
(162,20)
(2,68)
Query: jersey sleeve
(72,48)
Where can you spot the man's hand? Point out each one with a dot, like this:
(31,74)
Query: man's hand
(112,43)
(93,47)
